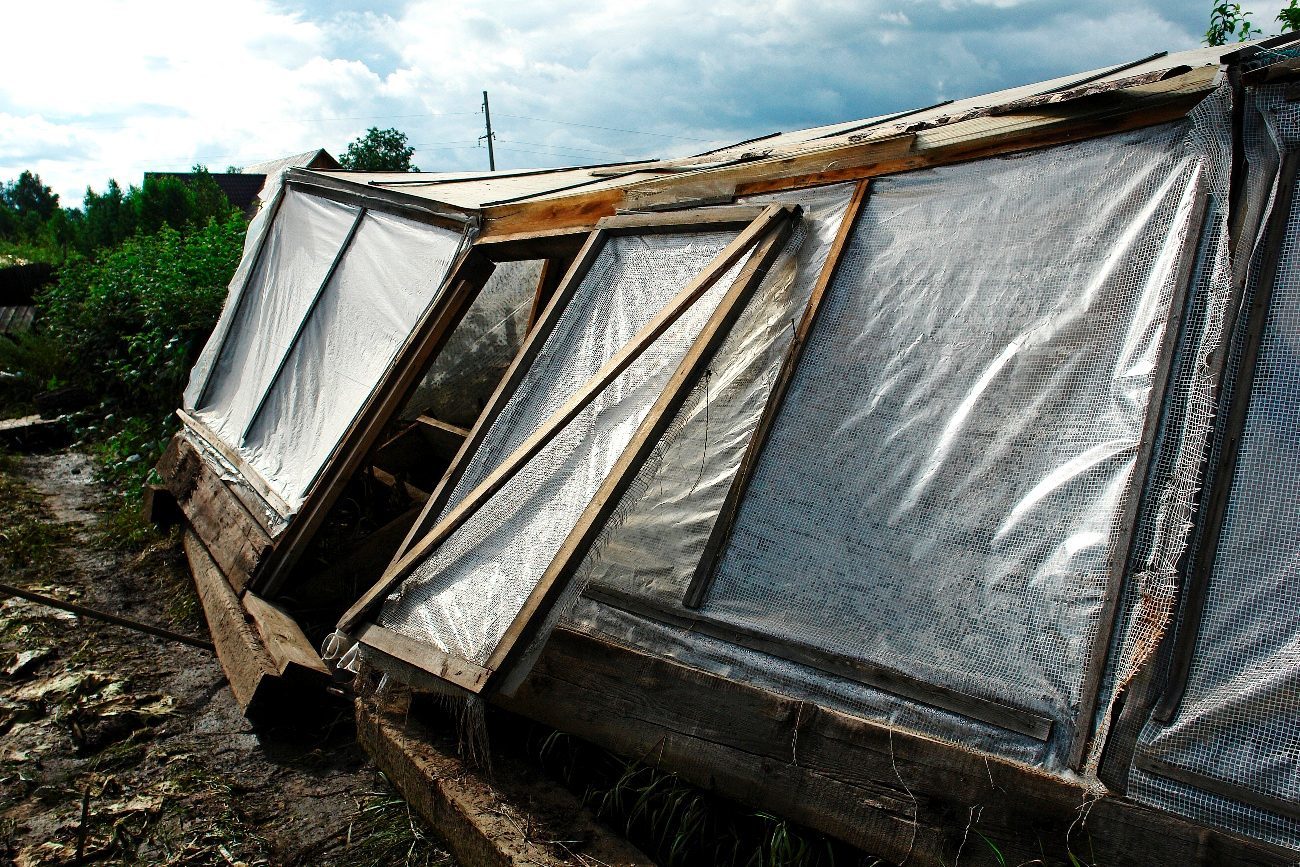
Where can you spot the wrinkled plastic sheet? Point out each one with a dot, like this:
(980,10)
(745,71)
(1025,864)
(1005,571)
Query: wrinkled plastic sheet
(462,378)
(465,594)
(653,542)
(944,485)
(389,274)
(1238,722)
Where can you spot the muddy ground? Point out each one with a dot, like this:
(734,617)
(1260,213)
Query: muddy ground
(121,748)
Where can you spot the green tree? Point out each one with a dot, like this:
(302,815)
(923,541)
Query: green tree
(1290,17)
(27,196)
(379,150)
(1227,20)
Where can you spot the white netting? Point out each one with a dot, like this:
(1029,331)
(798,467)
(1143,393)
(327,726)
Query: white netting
(1237,722)
(467,592)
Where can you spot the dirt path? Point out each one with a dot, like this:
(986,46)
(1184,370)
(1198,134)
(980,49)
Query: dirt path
(131,748)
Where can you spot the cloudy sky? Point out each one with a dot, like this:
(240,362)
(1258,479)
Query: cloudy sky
(112,88)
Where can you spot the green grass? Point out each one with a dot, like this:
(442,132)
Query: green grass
(29,537)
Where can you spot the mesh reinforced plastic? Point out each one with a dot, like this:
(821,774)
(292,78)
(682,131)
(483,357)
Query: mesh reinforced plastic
(464,596)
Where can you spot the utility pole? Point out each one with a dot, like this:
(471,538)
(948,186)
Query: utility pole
(487,118)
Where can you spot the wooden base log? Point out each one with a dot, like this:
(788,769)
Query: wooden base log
(268,662)
(485,824)
(896,794)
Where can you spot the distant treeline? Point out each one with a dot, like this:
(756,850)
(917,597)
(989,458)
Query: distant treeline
(33,225)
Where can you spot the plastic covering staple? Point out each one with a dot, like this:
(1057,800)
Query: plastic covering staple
(464,595)
(1237,727)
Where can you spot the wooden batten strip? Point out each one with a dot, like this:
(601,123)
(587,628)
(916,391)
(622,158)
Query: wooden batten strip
(247,471)
(519,366)
(879,677)
(424,656)
(1122,551)
(621,360)
(1222,788)
(674,394)
(304,321)
(1220,494)
(721,532)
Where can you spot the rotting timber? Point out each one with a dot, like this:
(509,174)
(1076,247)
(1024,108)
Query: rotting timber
(894,791)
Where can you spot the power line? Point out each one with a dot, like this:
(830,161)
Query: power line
(608,128)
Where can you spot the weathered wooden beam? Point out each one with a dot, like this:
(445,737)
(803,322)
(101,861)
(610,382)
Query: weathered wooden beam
(293,655)
(896,794)
(249,668)
(234,537)
(485,822)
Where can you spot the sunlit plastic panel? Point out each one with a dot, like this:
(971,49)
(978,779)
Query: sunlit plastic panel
(942,489)
(388,276)
(1239,720)
(466,593)
(299,247)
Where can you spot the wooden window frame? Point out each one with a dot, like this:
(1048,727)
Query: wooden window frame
(764,231)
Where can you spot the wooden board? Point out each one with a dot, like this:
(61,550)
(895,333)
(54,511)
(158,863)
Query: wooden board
(288,647)
(899,795)
(249,669)
(227,529)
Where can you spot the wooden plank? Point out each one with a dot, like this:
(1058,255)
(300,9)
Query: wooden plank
(553,271)
(1222,788)
(698,589)
(897,794)
(1234,425)
(661,414)
(684,221)
(249,669)
(500,819)
(237,542)
(424,656)
(621,360)
(519,366)
(561,243)
(879,677)
(289,649)
(1122,551)
(459,289)
(391,201)
(1170,101)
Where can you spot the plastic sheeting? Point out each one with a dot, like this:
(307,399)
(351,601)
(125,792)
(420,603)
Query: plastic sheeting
(387,277)
(462,378)
(976,389)
(651,545)
(466,593)
(1238,721)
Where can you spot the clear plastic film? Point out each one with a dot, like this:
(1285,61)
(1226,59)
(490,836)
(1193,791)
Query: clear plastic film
(651,545)
(1237,722)
(465,594)
(462,378)
(943,489)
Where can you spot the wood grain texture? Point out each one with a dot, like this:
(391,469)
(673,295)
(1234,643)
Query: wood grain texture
(227,529)
(284,641)
(896,794)
(249,669)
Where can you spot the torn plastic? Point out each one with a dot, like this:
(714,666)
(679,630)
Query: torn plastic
(1237,722)
(465,594)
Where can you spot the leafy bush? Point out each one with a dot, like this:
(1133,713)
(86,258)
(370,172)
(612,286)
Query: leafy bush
(132,321)
(30,364)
